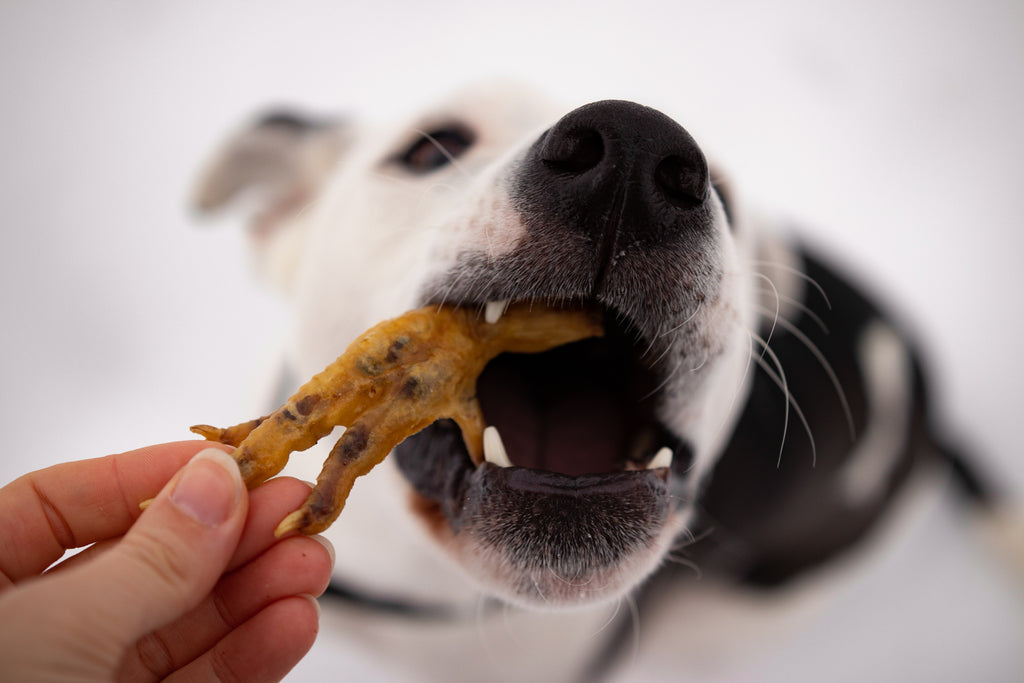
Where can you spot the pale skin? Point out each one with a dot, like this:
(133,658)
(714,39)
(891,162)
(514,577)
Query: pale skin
(195,588)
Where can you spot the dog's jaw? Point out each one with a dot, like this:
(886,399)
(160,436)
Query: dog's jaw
(674,288)
(536,537)
(542,572)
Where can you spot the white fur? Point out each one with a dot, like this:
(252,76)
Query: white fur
(358,253)
(886,362)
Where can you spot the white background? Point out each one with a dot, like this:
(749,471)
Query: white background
(894,131)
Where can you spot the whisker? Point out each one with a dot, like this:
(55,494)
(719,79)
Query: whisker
(780,382)
(775,319)
(608,622)
(570,582)
(447,293)
(799,273)
(827,367)
(684,562)
(691,539)
(310,205)
(739,385)
(458,276)
(397,180)
(707,354)
(804,309)
(634,613)
(456,164)
(674,556)
(539,591)
(664,382)
(413,183)
(664,352)
(662,335)
(784,385)
(680,325)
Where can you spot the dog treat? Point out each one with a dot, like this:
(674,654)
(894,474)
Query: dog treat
(394,380)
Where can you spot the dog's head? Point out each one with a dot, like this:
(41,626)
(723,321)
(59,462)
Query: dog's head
(495,197)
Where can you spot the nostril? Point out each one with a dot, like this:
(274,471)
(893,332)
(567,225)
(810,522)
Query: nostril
(684,182)
(573,151)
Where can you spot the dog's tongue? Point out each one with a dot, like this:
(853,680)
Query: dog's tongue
(567,424)
(583,434)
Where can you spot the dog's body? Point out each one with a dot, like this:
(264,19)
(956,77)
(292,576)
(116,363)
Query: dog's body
(794,410)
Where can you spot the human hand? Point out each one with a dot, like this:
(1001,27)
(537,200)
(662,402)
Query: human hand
(196,588)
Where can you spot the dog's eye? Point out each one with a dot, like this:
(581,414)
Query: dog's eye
(436,149)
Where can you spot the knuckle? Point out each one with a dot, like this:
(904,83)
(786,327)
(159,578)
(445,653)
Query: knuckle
(221,667)
(222,608)
(168,561)
(154,655)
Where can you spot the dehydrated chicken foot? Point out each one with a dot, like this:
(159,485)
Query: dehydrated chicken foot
(393,381)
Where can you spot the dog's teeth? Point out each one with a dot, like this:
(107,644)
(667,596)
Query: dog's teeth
(662,458)
(494,449)
(494,310)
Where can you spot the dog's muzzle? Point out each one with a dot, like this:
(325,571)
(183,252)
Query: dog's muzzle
(615,203)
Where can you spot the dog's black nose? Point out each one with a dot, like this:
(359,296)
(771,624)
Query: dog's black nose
(618,170)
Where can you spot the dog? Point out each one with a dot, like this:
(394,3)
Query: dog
(750,414)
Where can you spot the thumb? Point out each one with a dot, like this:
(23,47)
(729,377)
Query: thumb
(177,550)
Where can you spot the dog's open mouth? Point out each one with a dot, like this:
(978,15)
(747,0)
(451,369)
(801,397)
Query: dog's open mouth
(574,486)
(582,408)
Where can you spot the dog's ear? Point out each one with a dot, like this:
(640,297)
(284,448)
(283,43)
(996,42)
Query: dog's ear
(273,167)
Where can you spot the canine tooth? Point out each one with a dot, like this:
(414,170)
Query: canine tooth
(494,310)
(662,458)
(494,449)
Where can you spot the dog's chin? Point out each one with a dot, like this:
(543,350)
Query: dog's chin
(550,541)
(586,504)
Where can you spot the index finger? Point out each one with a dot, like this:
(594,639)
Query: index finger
(66,506)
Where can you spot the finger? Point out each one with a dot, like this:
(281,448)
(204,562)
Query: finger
(299,565)
(71,505)
(268,505)
(263,649)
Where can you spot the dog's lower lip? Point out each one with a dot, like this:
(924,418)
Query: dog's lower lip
(437,465)
(560,530)
(543,482)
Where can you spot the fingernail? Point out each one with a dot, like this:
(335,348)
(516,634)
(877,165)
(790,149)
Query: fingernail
(326,544)
(312,599)
(209,487)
